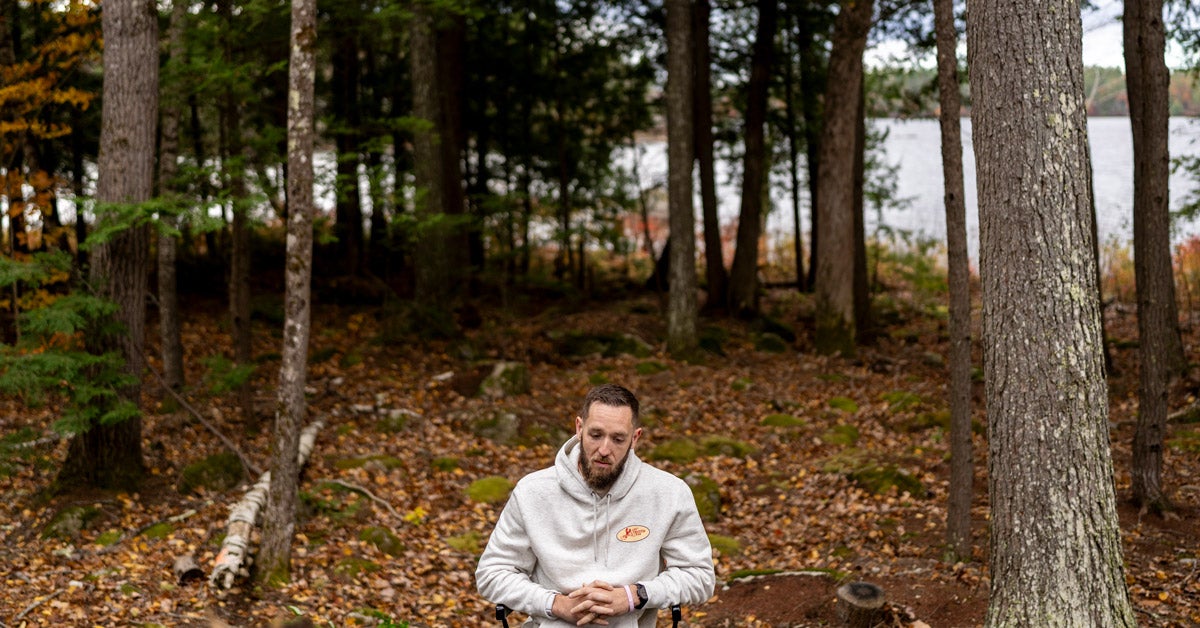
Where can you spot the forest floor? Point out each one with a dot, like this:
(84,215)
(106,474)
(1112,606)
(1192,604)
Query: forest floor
(406,436)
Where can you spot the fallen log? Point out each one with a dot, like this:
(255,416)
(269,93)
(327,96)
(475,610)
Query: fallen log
(233,560)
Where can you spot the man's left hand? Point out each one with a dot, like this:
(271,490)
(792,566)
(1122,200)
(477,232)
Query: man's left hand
(598,600)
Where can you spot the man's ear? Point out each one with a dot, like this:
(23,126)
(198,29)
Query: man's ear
(578,426)
(636,435)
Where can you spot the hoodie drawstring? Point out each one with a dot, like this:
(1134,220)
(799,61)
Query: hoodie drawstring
(607,528)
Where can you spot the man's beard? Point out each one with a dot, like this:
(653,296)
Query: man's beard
(600,480)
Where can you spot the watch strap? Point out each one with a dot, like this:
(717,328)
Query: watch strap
(641,595)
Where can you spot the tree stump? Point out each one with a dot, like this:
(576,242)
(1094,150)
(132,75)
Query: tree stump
(860,604)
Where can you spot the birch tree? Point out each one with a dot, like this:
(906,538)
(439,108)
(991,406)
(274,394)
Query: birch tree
(279,521)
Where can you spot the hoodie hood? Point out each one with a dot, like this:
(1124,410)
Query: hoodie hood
(570,478)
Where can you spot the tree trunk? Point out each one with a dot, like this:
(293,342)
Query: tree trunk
(743,276)
(346,107)
(789,100)
(110,455)
(681,309)
(862,289)
(279,520)
(962,465)
(812,86)
(168,293)
(1055,542)
(715,274)
(1159,348)
(835,326)
(239,256)
(451,40)
(431,249)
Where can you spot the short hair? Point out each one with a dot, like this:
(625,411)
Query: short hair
(610,395)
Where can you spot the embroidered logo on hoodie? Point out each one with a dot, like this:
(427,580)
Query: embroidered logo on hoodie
(633,534)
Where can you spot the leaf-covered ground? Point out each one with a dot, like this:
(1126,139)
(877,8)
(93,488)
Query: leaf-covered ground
(792,443)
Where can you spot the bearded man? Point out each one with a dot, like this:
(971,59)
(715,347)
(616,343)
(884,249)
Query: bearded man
(601,537)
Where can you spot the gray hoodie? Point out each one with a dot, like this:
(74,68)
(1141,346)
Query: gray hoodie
(555,534)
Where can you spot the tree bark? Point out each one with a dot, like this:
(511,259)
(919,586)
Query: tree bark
(1160,350)
(1055,542)
(110,455)
(431,246)
(346,107)
(239,256)
(789,99)
(862,288)
(812,86)
(715,274)
(962,465)
(834,286)
(681,309)
(743,275)
(279,522)
(168,293)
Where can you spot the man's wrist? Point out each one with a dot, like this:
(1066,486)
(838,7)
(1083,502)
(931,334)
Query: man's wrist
(550,604)
(642,596)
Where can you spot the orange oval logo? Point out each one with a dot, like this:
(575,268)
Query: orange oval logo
(633,534)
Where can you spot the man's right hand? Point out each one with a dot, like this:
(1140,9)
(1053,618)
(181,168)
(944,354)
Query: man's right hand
(589,605)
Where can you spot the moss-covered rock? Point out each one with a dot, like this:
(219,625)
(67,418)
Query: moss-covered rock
(350,568)
(771,343)
(712,339)
(845,435)
(769,325)
(490,490)
(108,538)
(383,539)
(650,367)
(445,463)
(69,522)
(497,425)
(879,479)
(725,446)
(845,404)
(872,475)
(707,494)
(470,542)
(727,545)
(160,530)
(681,450)
(898,400)
(580,344)
(218,472)
(506,379)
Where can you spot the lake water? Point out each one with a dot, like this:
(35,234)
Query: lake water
(914,147)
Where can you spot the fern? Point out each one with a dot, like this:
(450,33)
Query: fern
(51,358)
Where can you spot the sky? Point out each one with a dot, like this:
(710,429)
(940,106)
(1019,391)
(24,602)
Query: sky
(1102,45)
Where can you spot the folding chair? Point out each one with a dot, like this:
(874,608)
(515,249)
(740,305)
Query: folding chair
(502,612)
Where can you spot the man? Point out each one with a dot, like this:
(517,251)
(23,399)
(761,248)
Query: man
(600,537)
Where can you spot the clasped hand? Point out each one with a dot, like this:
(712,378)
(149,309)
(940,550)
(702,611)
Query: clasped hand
(595,603)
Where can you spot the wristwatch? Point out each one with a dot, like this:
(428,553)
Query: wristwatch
(641,594)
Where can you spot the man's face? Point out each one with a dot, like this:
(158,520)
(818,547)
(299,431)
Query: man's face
(607,436)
